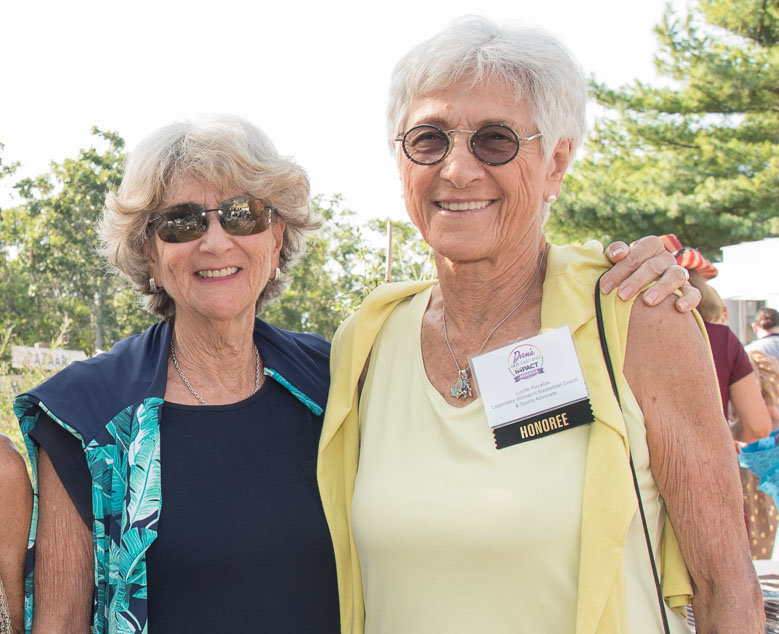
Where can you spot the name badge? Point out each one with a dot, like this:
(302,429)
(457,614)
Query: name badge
(532,388)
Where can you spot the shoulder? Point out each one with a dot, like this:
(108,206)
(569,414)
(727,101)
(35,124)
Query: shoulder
(577,261)
(88,394)
(375,309)
(13,472)
(660,337)
(764,344)
(668,321)
(299,360)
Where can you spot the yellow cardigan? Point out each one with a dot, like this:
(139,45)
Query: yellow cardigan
(609,500)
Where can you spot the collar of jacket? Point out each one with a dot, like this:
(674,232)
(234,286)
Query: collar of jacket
(87,394)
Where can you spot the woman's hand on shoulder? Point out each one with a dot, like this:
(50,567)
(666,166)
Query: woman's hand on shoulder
(645,261)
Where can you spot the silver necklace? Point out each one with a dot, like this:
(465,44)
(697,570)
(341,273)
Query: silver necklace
(192,389)
(462,387)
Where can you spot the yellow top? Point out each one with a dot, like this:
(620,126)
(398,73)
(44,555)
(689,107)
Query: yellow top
(607,498)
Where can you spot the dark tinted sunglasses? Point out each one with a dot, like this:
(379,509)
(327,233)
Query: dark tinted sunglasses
(240,216)
(494,144)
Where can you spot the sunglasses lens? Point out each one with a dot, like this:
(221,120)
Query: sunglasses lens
(244,216)
(425,144)
(181,223)
(241,216)
(495,144)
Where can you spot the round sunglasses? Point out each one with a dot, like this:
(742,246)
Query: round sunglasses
(493,144)
(240,216)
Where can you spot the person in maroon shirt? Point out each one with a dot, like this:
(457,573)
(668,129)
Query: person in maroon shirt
(738,384)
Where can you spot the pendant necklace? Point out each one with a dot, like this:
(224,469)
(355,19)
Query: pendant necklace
(192,389)
(462,387)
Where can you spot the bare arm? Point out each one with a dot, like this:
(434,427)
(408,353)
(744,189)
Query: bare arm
(754,421)
(16,510)
(645,261)
(693,462)
(64,576)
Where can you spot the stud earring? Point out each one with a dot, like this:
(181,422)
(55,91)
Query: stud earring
(551,198)
(153,288)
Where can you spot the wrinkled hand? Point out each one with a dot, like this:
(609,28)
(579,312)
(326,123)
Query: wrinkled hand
(642,262)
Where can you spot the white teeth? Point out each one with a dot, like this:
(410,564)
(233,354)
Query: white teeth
(474,204)
(218,272)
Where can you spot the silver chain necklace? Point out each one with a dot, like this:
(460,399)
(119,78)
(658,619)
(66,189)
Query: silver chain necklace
(462,387)
(192,389)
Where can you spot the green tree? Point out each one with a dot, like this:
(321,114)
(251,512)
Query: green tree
(51,268)
(696,156)
(343,262)
(6,170)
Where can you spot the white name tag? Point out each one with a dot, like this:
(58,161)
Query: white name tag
(532,388)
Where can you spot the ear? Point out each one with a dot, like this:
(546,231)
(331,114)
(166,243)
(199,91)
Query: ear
(557,166)
(151,255)
(278,240)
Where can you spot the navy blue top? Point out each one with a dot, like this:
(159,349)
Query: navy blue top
(249,550)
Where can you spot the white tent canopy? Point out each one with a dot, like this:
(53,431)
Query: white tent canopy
(749,271)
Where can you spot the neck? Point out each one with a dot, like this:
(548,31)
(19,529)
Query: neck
(218,359)
(477,295)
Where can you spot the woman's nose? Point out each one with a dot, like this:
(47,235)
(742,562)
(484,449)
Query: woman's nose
(460,167)
(215,238)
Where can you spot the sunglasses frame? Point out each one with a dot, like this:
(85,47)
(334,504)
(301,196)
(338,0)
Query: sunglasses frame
(201,210)
(450,142)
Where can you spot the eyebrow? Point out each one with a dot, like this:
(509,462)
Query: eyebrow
(444,125)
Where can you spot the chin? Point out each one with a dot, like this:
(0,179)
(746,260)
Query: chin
(465,250)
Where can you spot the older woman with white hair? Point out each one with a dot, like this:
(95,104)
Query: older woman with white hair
(176,473)
(505,450)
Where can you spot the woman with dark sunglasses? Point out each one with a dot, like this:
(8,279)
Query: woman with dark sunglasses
(479,469)
(176,473)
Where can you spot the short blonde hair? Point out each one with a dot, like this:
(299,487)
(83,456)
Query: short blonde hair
(223,152)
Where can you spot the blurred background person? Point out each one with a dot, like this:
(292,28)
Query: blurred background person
(760,507)
(766,329)
(15,513)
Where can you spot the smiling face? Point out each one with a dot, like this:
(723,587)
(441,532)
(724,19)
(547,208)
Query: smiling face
(469,211)
(217,276)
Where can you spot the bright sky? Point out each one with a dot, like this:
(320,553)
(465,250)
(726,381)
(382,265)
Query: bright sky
(313,75)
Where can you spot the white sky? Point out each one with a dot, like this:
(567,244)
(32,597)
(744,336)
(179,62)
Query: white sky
(313,75)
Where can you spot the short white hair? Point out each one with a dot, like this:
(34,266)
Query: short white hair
(540,69)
